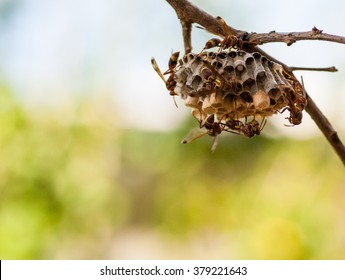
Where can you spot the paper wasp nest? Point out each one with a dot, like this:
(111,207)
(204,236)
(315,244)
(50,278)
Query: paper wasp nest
(228,89)
(235,83)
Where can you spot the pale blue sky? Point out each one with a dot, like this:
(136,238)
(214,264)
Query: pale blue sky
(50,50)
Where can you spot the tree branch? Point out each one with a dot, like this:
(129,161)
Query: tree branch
(291,37)
(326,128)
(326,69)
(189,13)
(187,35)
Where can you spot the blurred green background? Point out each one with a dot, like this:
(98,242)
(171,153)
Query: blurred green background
(87,174)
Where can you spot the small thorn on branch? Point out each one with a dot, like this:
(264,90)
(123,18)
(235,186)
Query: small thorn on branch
(290,40)
(316,30)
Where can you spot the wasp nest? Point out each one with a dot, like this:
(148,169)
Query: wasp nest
(225,89)
(235,83)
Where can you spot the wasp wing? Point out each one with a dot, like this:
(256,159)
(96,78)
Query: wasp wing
(194,134)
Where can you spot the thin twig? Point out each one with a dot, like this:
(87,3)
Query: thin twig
(325,69)
(189,13)
(291,37)
(187,35)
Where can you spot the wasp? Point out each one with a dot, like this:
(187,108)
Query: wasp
(212,78)
(234,125)
(228,42)
(295,108)
(253,127)
(296,115)
(213,128)
(212,43)
(215,80)
(248,129)
(296,101)
(172,63)
(301,97)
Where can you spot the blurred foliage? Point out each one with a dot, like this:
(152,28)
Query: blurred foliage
(7,8)
(75,184)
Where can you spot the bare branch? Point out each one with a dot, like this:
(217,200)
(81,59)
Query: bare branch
(188,13)
(325,69)
(326,128)
(187,35)
(291,37)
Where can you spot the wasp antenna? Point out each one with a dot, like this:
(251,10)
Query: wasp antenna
(302,82)
(200,27)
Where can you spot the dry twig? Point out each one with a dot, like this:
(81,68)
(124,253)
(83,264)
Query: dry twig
(189,13)
(292,37)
